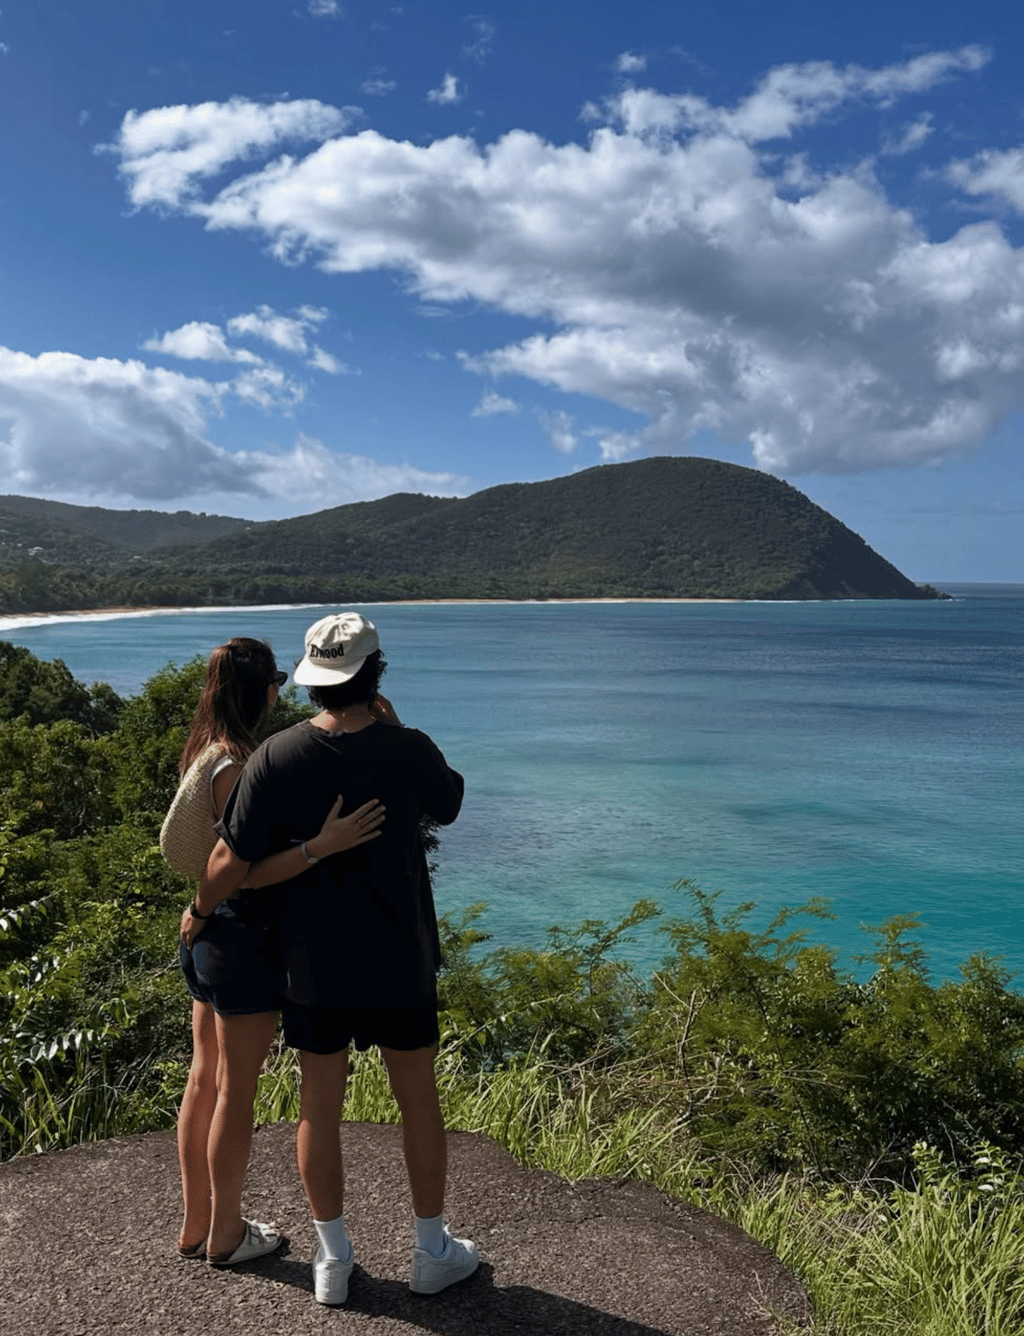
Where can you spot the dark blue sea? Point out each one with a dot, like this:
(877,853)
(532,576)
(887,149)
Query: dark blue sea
(868,752)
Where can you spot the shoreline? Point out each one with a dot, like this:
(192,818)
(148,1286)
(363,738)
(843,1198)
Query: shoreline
(11,621)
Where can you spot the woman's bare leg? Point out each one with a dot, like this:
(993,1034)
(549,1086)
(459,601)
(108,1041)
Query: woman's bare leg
(318,1140)
(194,1118)
(414,1087)
(244,1042)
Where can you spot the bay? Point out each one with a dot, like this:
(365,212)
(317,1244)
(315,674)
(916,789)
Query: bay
(868,752)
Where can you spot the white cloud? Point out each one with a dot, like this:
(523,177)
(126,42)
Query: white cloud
(101,426)
(376,85)
(202,341)
(264,323)
(628,63)
(199,341)
(314,477)
(289,333)
(910,138)
(447,92)
(268,387)
(997,174)
(483,42)
(324,361)
(166,153)
(616,445)
(673,267)
(788,97)
(325,9)
(558,427)
(491,403)
(122,433)
(83,117)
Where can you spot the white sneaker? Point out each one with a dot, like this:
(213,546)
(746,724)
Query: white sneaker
(330,1278)
(432,1274)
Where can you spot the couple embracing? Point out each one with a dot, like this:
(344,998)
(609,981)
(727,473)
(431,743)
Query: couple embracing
(330,920)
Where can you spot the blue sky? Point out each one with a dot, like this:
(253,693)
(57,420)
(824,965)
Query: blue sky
(263,258)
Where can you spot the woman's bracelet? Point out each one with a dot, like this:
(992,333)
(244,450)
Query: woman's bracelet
(193,909)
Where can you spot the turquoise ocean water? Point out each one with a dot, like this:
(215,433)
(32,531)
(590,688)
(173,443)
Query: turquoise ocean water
(871,753)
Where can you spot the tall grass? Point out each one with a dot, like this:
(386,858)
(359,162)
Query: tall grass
(944,1257)
(68,1098)
(545,1116)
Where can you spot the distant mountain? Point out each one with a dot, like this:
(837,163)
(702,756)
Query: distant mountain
(83,533)
(654,528)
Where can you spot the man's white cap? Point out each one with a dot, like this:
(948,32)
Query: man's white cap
(337,646)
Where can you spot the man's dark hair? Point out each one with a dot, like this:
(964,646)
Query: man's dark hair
(363,688)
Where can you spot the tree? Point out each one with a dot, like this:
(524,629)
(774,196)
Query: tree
(54,778)
(47,692)
(151,733)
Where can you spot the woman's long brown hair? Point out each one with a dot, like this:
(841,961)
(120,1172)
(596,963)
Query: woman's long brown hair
(233,705)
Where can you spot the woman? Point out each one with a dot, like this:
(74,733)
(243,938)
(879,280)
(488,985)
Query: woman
(230,970)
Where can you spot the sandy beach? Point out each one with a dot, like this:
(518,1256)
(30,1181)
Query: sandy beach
(11,621)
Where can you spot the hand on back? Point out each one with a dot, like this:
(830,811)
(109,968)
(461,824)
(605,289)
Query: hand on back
(345,832)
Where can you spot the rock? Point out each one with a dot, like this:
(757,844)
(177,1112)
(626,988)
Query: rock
(88,1250)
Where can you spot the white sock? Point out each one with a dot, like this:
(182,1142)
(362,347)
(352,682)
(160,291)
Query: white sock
(334,1241)
(430,1233)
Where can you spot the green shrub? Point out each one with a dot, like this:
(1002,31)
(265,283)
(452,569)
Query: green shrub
(573,995)
(47,693)
(780,1060)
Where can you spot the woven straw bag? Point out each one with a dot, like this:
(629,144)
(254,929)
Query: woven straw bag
(187,835)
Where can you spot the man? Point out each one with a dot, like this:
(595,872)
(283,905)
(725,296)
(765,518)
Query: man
(360,949)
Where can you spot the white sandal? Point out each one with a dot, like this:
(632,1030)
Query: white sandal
(257,1241)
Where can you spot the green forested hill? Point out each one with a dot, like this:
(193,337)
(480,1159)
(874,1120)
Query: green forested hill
(85,534)
(654,528)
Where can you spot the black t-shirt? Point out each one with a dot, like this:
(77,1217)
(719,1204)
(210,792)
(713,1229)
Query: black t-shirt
(358,928)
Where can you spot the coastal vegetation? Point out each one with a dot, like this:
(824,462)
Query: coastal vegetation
(653,528)
(866,1126)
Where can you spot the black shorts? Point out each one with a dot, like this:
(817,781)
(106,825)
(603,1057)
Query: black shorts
(326,1030)
(232,964)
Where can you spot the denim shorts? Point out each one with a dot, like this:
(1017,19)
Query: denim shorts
(233,963)
(326,1030)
